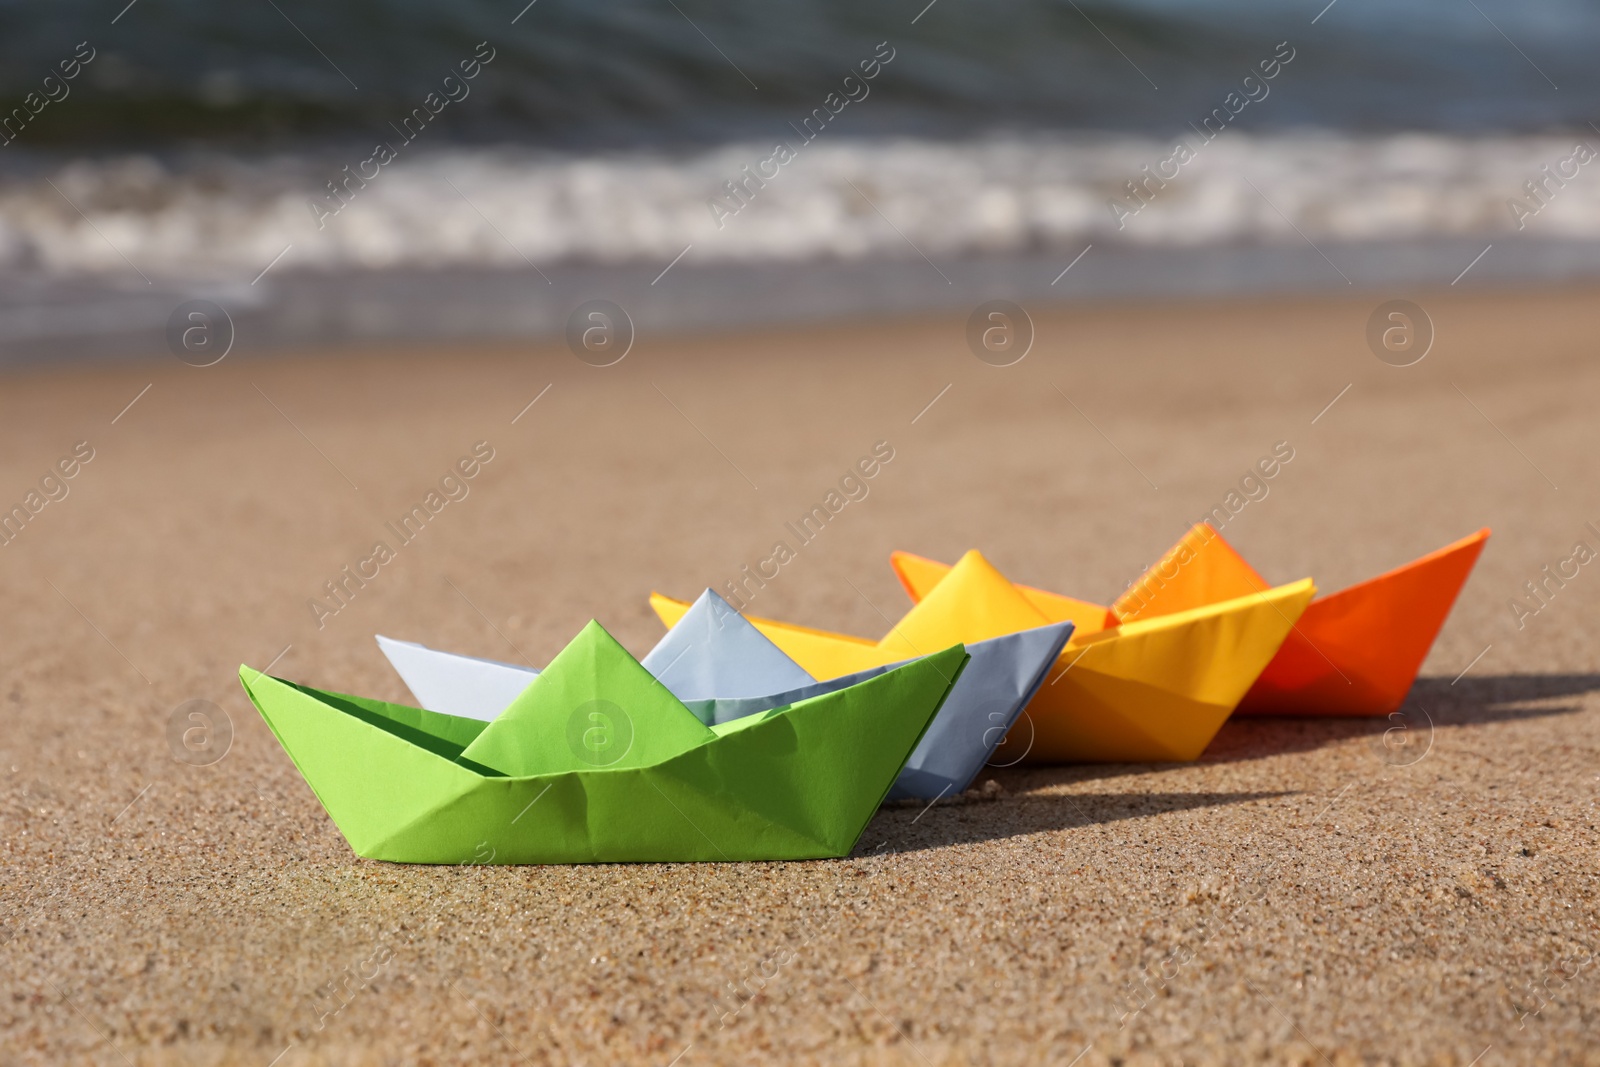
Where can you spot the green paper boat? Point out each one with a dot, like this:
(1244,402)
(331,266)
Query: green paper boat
(596,762)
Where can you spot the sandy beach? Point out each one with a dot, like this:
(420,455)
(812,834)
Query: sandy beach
(1417,891)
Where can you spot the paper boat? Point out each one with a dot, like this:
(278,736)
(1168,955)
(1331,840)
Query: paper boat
(1354,652)
(713,654)
(596,762)
(1140,692)
(724,669)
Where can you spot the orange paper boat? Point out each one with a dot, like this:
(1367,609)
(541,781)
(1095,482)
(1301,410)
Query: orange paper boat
(1354,652)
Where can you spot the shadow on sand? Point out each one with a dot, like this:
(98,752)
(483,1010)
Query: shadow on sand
(1434,703)
(1468,702)
(910,829)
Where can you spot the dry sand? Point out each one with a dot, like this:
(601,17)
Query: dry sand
(1303,894)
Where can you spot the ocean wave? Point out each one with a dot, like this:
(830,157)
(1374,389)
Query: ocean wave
(840,199)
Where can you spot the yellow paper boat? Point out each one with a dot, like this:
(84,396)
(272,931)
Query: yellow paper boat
(1156,690)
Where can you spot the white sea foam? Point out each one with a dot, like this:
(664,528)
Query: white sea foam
(225,219)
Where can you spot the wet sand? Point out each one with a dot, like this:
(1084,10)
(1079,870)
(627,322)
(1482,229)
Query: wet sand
(1309,892)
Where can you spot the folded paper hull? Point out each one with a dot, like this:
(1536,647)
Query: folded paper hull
(1358,651)
(1001,676)
(1144,692)
(1157,691)
(798,784)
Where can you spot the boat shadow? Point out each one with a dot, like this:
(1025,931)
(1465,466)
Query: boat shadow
(1434,703)
(914,829)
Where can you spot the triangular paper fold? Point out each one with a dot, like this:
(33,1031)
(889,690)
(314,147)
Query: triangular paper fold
(714,653)
(451,684)
(594,706)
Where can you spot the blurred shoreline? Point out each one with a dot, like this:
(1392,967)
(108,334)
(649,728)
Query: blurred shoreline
(479,242)
(93,320)
(1124,150)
